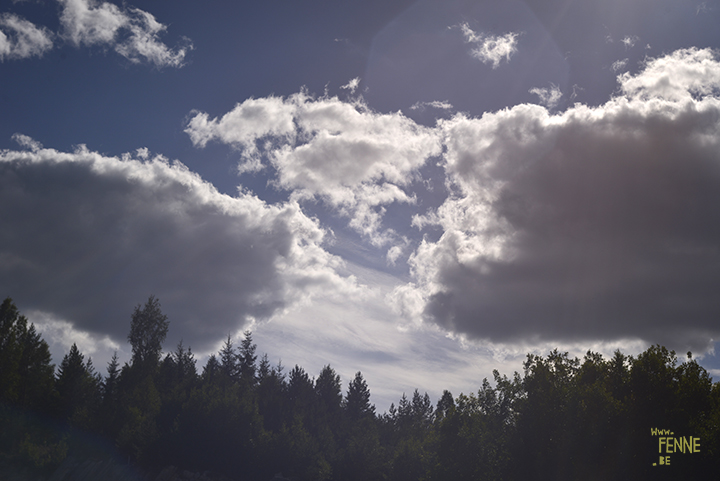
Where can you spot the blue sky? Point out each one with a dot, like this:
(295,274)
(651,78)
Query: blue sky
(423,191)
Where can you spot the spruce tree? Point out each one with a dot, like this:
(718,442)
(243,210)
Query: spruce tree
(357,401)
(246,359)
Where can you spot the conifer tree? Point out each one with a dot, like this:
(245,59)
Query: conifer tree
(357,401)
(301,392)
(26,374)
(78,387)
(36,391)
(329,390)
(246,359)
(211,370)
(228,360)
(110,396)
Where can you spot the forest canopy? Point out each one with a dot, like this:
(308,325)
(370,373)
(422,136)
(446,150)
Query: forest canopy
(645,417)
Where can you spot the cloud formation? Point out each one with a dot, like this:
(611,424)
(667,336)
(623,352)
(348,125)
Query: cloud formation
(20,38)
(549,96)
(435,104)
(680,76)
(490,49)
(619,65)
(87,237)
(131,32)
(594,223)
(352,158)
(629,41)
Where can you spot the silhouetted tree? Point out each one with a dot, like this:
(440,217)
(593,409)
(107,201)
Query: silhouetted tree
(357,401)
(329,391)
(445,405)
(211,370)
(148,329)
(272,395)
(228,361)
(301,394)
(79,388)
(26,374)
(109,408)
(246,360)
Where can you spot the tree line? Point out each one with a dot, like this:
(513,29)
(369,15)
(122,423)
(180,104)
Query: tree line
(242,417)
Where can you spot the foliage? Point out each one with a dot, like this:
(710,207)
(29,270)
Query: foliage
(148,328)
(562,419)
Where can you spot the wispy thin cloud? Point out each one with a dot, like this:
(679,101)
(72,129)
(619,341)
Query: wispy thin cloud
(619,65)
(490,49)
(131,32)
(548,96)
(352,85)
(20,38)
(435,104)
(629,41)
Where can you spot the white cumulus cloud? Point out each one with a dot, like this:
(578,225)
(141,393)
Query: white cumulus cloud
(343,153)
(681,75)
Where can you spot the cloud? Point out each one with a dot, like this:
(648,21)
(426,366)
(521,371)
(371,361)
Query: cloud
(352,158)
(595,223)
(22,39)
(491,49)
(352,85)
(61,335)
(549,97)
(682,75)
(87,237)
(619,65)
(629,41)
(435,104)
(248,122)
(131,32)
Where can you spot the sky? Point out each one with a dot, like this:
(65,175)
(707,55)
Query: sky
(423,191)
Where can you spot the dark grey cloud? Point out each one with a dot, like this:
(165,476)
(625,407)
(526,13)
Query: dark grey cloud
(86,238)
(596,223)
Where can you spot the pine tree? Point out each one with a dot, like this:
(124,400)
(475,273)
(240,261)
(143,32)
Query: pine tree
(211,370)
(110,396)
(272,395)
(78,387)
(422,411)
(329,390)
(263,368)
(26,374)
(246,359)
(301,392)
(186,364)
(357,401)
(228,361)
(37,389)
